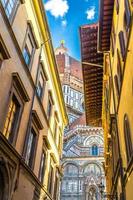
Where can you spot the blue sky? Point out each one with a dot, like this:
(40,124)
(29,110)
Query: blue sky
(66,16)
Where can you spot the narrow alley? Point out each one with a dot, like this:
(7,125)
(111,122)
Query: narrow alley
(66,100)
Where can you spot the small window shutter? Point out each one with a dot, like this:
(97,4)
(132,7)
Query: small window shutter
(117,6)
(119,70)
(127,13)
(116,85)
(122,44)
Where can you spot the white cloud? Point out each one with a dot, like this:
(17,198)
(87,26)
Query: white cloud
(64,23)
(57,8)
(90,13)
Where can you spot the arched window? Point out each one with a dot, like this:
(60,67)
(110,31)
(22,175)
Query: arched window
(127,136)
(94,150)
(70,169)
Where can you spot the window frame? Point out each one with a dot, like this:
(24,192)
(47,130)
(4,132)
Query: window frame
(31,160)
(12,15)
(50,182)
(95,151)
(50,100)
(41,174)
(19,116)
(122,43)
(128,138)
(117,86)
(56,125)
(56,185)
(19,91)
(4,55)
(117,6)
(45,79)
(31,36)
(127,15)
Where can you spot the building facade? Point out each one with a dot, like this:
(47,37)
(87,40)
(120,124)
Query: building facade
(116,41)
(83,145)
(72,82)
(32,109)
(83,159)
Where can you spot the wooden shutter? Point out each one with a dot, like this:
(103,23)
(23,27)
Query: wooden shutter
(122,44)
(127,14)
(116,85)
(117,6)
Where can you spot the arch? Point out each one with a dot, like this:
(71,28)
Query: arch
(93,169)
(70,168)
(4,180)
(93,139)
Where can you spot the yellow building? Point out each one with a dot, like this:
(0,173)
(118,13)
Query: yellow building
(116,42)
(32,109)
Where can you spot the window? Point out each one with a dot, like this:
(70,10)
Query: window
(76,95)
(42,167)
(127,16)
(26,55)
(72,186)
(72,93)
(60,144)
(49,108)
(55,126)
(118,76)
(117,6)
(30,150)
(94,150)
(71,102)
(117,85)
(122,44)
(76,104)
(41,83)
(3,51)
(55,186)
(128,139)
(119,70)
(29,46)
(10,7)
(50,180)
(113,39)
(12,119)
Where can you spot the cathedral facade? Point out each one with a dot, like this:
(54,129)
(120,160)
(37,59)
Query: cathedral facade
(83,164)
(83,157)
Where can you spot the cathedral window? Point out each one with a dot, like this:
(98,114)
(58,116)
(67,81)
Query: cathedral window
(94,150)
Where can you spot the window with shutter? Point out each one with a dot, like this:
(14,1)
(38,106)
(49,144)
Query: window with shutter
(117,6)
(128,139)
(119,70)
(116,85)
(127,15)
(122,44)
